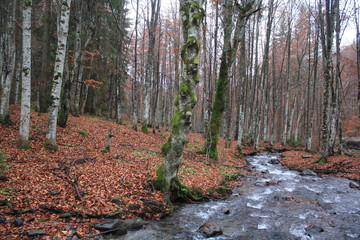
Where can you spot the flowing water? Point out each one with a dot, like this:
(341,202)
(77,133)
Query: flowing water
(275,204)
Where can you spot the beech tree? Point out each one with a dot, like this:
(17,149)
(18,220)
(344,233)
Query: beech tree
(357,39)
(149,69)
(63,28)
(327,27)
(238,12)
(9,55)
(192,14)
(26,76)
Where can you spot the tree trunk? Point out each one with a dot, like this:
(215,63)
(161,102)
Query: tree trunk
(230,46)
(74,108)
(357,26)
(63,28)
(149,69)
(135,91)
(312,111)
(288,76)
(242,83)
(44,70)
(26,77)
(9,65)
(327,46)
(167,181)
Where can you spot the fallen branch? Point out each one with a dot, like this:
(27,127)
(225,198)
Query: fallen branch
(69,177)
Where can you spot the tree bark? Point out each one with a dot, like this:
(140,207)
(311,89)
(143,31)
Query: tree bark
(231,43)
(9,66)
(63,28)
(26,77)
(327,47)
(149,69)
(135,91)
(167,181)
(44,70)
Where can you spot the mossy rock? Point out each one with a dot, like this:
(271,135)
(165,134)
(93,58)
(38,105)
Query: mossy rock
(223,191)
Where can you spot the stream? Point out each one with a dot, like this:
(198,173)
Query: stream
(275,203)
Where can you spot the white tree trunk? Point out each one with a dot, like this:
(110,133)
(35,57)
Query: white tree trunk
(63,28)
(26,77)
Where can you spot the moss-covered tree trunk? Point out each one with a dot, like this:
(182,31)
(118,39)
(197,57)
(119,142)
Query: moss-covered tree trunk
(167,181)
(230,46)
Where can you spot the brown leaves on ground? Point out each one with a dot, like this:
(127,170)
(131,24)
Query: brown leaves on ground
(347,166)
(41,183)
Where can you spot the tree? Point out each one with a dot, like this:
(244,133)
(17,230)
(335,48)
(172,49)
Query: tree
(63,28)
(357,19)
(44,69)
(230,46)
(149,69)
(26,76)
(135,92)
(167,181)
(9,56)
(327,28)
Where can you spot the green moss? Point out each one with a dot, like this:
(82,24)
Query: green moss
(184,88)
(144,128)
(165,147)
(84,133)
(28,210)
(24,145)
(190,41)
(160,183)
(3,164)
(176,120)
(50,146)
(194,4)
(223,191)
(176,102)
(5,119)
(321,161)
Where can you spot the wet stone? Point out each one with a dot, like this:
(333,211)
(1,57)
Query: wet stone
(108,225)
(226,210)
(210,229)
(308,172)
(311,230)
(274,161)
(114,226)
(269,183)
(133,224)
(36,232)
(354,185)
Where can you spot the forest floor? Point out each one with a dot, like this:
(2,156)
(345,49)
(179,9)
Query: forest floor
(76,186)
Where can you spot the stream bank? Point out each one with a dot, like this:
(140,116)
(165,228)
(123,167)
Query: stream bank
(275,203)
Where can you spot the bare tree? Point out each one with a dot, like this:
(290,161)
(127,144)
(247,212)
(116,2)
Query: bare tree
(26,76)
(230,46)
(9,56)
(63,28)
(149,69)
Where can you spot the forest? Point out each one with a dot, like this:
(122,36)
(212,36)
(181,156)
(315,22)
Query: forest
(113,108)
